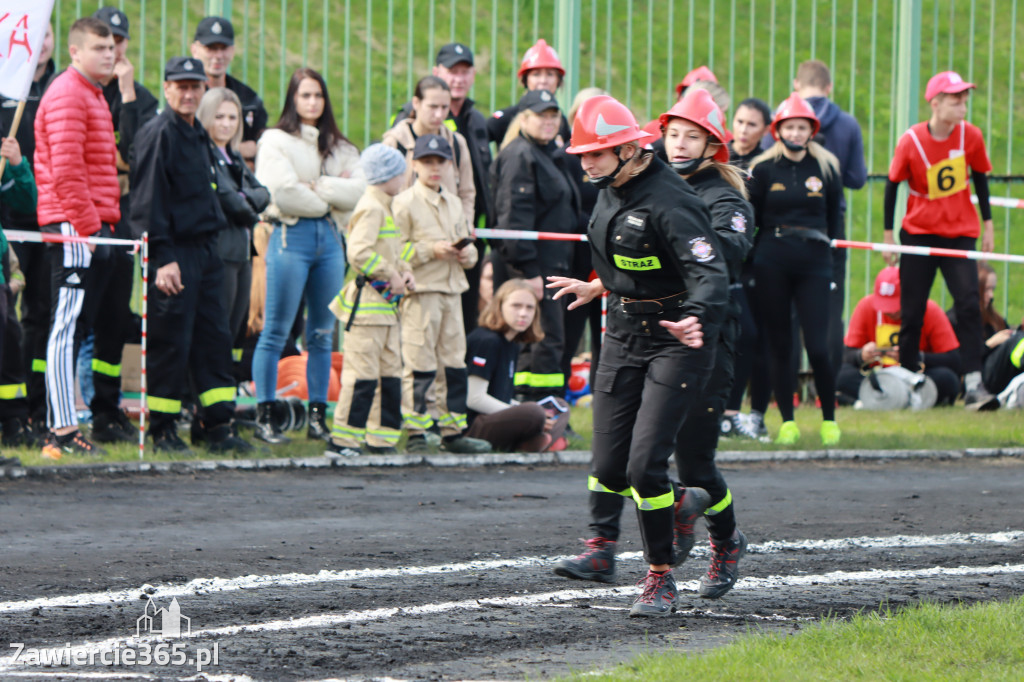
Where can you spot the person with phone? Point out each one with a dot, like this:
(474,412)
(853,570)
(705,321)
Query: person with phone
(431,222)
(509,320)
(534,192)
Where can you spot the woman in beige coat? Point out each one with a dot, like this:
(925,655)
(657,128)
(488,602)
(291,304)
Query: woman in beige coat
(315,180)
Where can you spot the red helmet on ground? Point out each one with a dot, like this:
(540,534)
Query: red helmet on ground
(603,122)
(795,107)
(701,73)
(540,56)
(699,108)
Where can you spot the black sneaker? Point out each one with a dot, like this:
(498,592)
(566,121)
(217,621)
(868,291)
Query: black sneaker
(724,569)
(689,508)
(419,445)
(597,562)
(73,443)
(113,427)
(335,451)
(9,461)
(980,400)
(16,433)
(380,449)
(223,438)
(658,597)
(169,442)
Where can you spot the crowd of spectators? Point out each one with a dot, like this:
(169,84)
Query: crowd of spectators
(454,340)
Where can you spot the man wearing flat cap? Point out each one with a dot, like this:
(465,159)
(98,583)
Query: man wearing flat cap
(174,199)
(214,46)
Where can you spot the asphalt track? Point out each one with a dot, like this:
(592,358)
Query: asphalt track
(445,574)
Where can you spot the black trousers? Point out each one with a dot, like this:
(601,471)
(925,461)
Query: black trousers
(540,371)
(643,384)
(188,333)
(697,439)
(35,323)
(1004,363)
(13,400)
(106,311)
(917,273)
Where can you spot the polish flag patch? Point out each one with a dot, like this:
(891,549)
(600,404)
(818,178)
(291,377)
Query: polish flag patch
(479,361)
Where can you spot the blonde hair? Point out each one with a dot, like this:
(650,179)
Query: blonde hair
(491,317)
(827,161)
(512,132)
(207,112)
(581,97)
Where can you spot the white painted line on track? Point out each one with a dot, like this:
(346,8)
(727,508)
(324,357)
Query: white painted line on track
(205,586)
(752,584)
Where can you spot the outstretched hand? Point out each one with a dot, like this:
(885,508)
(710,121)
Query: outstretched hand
(585,292)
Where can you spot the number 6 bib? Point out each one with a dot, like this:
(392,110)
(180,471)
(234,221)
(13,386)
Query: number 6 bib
(948,176)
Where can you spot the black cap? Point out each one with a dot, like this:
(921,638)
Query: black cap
(432,145)
(114,18)
(537,101)
(214,30)
(184,69)
(451,54)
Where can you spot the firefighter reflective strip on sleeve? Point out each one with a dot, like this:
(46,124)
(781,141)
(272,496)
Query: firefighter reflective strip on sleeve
(236,354)
(539,380)
(596,486)
(389,436)
(455,421)
(408,252)
(721,506)
(165,405)
(105,368)
(653,503)
(225,394)
(367,308)
(624,263)
(347,432)
(12,391)
(389,229)
(415,421)
(372,264)
(39,365)
(1018,354)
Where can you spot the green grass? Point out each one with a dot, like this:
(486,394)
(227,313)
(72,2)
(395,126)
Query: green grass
(928,642)
(944,428)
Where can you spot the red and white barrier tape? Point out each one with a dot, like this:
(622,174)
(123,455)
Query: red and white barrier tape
(926,251)
(1006,202)
(51,238)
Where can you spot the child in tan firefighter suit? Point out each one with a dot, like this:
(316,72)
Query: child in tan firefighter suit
(435,240)
(368,307)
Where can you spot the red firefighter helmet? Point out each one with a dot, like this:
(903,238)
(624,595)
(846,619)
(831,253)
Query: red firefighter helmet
(540,56)
(795,106)
(701,73)
(698,107)
(603,122)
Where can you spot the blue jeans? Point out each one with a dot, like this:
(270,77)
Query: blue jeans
(313,262)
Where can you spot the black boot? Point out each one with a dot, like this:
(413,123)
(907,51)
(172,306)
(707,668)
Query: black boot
(266,428)
(318,423)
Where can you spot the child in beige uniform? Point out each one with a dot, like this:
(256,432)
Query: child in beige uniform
(368,306)
(436,241)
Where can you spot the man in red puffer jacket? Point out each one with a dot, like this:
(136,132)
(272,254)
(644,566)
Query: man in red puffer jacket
(76,174)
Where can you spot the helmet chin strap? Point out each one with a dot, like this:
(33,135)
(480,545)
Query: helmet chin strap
(606,180)
(793,146)
(690,167)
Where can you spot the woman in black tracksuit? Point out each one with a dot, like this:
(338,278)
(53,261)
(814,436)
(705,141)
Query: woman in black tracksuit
(795,189)
(241,196)
(656,254)
(533,192)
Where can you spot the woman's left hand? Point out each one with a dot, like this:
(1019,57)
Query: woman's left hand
(688,331)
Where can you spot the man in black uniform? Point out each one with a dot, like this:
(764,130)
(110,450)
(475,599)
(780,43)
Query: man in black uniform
(655,252)
(174,199)
(214,46)
(454,65)
(35,302)
(131,105)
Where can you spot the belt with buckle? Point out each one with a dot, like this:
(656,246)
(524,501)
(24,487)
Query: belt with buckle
(807,234)
(652,306)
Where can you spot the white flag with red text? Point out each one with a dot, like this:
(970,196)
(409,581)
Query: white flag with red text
(23,26)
